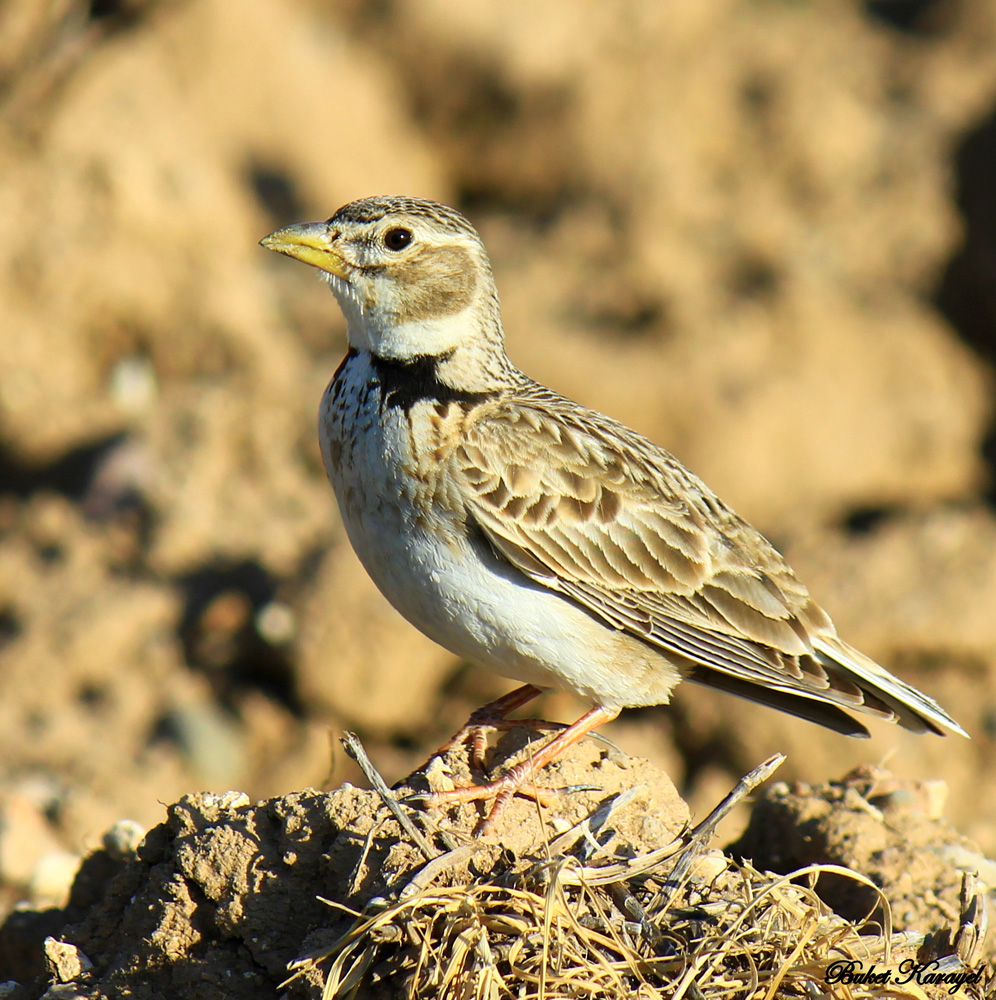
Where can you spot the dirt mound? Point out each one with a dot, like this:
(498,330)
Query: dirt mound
(605,886)
(893,831)
(225,893)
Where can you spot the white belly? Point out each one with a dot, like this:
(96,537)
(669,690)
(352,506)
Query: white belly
(451,587)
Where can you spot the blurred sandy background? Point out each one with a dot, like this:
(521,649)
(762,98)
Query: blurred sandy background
(761,231)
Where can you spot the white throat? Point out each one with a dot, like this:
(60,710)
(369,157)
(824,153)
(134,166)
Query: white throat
(375,330)
(419,338)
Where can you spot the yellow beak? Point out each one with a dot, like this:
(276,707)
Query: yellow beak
(310,242)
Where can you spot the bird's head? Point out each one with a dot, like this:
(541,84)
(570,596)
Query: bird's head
(411,276)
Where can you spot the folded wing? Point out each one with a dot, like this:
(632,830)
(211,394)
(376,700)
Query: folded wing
(597,513)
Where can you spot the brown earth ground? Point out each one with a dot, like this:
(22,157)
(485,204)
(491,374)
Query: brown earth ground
(763,233)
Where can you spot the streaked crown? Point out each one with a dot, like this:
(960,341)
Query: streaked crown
(367,211)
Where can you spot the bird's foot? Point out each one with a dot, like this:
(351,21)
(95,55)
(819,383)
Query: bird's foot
(493,716)
(517,779)
(475,736)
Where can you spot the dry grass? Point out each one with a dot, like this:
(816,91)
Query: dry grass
(683,922)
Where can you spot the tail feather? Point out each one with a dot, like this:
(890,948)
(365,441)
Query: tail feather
(912,709)
(812,708)
(852,682)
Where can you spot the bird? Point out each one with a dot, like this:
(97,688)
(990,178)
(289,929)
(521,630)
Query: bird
(536,537)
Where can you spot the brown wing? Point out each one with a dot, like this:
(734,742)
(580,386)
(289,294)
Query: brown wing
(586,507)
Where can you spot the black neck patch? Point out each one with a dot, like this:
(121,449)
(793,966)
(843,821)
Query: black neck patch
(415,380)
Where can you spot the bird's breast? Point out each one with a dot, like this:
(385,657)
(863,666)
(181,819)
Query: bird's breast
(408,524)
(388,463)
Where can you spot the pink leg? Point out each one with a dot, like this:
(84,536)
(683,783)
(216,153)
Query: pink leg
(503,788)
(491,716)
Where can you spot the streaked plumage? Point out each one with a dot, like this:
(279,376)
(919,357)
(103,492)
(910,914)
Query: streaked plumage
(535,536)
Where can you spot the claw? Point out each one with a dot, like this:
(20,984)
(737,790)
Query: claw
(490,716)
(516,780)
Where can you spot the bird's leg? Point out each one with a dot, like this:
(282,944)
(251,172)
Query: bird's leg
(493,716)
(511,782)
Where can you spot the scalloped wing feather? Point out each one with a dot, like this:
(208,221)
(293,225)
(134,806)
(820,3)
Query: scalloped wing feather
(592,510)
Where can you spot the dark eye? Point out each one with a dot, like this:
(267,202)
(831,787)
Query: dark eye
(397,239)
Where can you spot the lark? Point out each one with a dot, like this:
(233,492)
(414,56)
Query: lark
(536,537)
